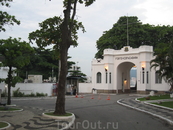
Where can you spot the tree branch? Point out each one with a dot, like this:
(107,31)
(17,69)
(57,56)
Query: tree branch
(74,10)
(71,24)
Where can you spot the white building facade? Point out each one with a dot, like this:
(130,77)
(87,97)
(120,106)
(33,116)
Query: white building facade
(3,72)
(112,73)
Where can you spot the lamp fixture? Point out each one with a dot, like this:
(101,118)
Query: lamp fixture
(143,65)
(106,68)
(125,81)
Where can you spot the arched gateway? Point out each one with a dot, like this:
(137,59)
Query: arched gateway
(112,73)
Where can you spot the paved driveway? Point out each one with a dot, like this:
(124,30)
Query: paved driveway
(102,114)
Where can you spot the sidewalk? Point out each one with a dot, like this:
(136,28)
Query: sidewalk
(30,118)
(161,113)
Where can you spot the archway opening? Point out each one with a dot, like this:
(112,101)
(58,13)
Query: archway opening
(133,79)
(124,71)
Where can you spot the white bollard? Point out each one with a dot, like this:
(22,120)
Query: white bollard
(152,93)
(171,95)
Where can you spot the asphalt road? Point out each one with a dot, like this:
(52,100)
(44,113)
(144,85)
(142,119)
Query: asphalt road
(102,114)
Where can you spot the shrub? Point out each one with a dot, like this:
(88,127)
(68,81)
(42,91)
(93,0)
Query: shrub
(17,93)
(147,98)
(40,94)
(32,95)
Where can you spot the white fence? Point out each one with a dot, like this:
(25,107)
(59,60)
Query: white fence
(85,88)
(28,88)
(46,88)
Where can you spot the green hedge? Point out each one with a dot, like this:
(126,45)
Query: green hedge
(17,93)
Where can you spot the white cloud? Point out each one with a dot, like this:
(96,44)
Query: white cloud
(157,11)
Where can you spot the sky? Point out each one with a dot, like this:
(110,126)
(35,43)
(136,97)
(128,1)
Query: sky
(97,18)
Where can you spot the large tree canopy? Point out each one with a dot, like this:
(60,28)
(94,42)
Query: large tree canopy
(50,33)
(130,31)
(16,54)
(163,61)
(43,62)
(5,18)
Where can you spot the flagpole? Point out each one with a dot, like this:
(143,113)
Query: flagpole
(127,32)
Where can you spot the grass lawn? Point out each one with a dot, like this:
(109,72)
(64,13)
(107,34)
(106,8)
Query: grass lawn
(51,114)
(8,109)
(158,97)
(165,104)
(3,124)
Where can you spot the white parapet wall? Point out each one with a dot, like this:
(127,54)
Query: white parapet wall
(85,88)
(28,88)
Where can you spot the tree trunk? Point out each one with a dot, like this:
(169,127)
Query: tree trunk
(9,80)
(60,102)
(64,46)
(9,95)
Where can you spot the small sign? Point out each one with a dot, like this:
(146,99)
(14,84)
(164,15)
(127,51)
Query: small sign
(126,58)
(126,49)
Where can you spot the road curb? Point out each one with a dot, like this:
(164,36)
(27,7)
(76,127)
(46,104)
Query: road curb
(4,128)
(11,111)
(63,118)
(158,106)
(163,118)
(155,101)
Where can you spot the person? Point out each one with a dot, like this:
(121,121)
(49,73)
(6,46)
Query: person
(71,90)
(74,90)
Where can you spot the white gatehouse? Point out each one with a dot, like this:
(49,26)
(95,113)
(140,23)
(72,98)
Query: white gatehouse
(112,73)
